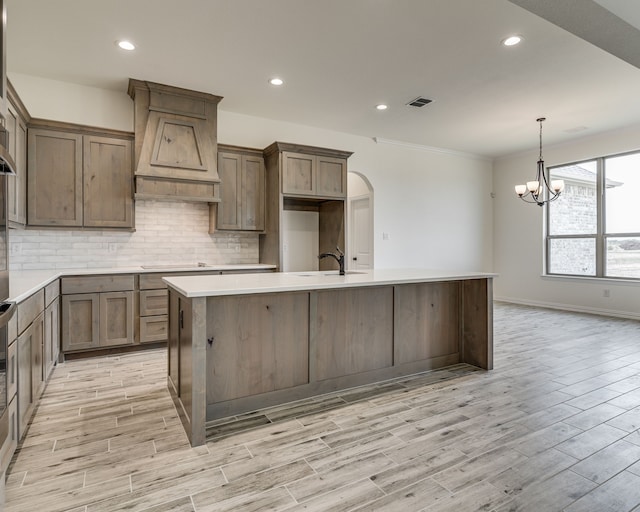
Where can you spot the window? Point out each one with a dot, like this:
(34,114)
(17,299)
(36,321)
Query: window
(593,228)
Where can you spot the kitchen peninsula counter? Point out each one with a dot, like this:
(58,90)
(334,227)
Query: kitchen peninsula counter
(238,343)
(24,283)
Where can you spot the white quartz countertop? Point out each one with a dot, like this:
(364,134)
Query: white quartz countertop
(243,284)
(24,283)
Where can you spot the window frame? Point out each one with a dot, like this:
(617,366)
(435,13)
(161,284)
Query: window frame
(600,236)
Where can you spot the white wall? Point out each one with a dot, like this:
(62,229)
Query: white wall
(519,243)
(435,206)
(73,103)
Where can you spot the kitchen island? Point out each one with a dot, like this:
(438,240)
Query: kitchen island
(238,343)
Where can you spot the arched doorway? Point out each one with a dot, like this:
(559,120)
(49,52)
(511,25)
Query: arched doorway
(360,222)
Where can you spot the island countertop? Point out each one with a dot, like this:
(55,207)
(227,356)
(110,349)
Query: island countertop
(212,286)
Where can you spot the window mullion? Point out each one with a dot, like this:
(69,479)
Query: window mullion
(601,220)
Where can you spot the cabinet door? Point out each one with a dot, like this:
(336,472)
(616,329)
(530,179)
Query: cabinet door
(253,193)
(116,319)
(425,333)
(229,170)
(108,182)
(353,331)
(80,321)
(25,393)
(331,178)
(242,361)
(19,211)
(37,357)
(298,174)
(12,370)
(16,185)
(51,336)
(54,178)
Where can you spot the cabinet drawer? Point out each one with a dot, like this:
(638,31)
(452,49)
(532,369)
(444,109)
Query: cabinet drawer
(51,292)
(153,302)
(29,309)
(97,284)
(152,281)
(154,328)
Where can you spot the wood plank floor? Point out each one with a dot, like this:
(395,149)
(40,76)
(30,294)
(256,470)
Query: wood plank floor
(555,426)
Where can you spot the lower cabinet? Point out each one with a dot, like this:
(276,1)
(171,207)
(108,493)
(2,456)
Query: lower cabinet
(51,327)
(30,370)
(8,447)
(97,312)
(95,320)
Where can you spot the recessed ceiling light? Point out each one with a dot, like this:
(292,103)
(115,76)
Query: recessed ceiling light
(126,45)
(276,81)
(382,106)
(512,40)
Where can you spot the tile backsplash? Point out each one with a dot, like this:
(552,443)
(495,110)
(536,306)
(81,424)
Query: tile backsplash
(166,233)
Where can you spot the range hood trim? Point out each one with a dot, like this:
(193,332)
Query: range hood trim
(169,121)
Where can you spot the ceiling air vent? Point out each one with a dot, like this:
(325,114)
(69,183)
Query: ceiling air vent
(419,102)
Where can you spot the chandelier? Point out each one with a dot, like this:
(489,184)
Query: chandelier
(534,191)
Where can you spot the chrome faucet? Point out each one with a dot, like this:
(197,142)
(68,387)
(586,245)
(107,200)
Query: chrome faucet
(338,257)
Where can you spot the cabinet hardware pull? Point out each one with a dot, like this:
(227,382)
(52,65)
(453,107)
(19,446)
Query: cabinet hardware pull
(181,319)
(210,341)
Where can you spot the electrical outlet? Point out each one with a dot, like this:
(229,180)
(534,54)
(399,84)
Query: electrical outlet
(606,293)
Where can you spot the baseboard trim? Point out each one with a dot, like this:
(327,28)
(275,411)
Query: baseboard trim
(630,315)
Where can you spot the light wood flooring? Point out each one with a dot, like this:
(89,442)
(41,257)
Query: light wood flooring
(553,427)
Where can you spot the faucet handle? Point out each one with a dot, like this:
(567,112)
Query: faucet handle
(340,253)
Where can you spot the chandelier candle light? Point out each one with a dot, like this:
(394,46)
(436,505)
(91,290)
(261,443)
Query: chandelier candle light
(535,189)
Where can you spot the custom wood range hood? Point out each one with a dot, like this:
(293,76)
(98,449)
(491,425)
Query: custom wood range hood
(175,142)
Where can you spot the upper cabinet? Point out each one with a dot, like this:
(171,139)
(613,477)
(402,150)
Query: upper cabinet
(309,179)
(313,172)
(16,124)
(175,142)
(242,199)
(79,178)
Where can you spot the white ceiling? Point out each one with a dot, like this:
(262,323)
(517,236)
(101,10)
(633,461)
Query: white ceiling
(339,58)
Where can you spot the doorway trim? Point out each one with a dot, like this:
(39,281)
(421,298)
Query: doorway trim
(368,195)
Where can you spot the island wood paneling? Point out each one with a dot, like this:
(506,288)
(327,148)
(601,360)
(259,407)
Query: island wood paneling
(259,343)
(185,356)
(271,348)
(173,342)
(478,322)
(353,331)
(427,321)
